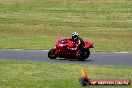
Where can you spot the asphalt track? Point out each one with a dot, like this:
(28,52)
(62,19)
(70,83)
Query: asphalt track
(96,58)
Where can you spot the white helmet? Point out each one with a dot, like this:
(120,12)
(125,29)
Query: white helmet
(75,35)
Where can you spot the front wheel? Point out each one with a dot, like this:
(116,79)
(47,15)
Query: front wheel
(85,55)
(51,54)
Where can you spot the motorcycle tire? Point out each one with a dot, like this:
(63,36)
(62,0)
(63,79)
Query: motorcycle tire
(84,55)
(51,54)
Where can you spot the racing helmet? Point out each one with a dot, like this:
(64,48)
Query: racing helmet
(75,35)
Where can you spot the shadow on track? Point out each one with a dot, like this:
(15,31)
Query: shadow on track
(73,60)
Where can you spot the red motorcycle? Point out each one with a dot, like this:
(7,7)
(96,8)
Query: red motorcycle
(63,50)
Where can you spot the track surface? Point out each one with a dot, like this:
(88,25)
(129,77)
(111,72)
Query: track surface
(96,58)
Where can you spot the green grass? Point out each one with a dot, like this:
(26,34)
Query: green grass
(37,24)
(51,75)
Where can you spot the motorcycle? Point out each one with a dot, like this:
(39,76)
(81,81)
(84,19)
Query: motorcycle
(63,50)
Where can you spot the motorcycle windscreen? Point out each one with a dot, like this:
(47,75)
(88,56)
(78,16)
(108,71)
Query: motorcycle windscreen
(88,44)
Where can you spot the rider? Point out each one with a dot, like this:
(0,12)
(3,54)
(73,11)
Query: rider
(79,41)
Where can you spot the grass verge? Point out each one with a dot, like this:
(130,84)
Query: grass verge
(50,75)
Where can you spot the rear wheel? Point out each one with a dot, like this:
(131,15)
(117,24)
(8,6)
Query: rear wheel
(51,54)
